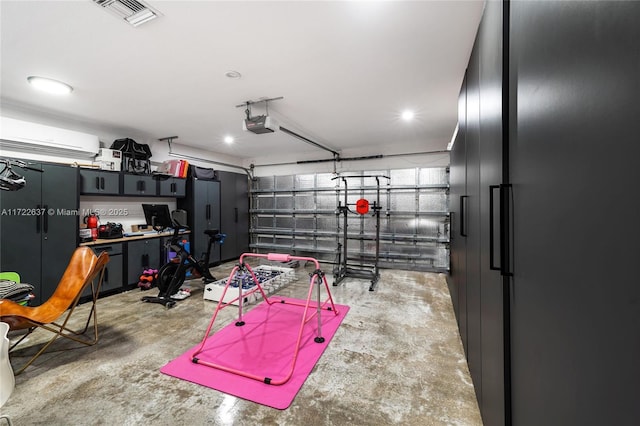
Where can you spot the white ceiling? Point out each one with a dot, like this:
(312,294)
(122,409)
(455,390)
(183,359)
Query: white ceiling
(346,70)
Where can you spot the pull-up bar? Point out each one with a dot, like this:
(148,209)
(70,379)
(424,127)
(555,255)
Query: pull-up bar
(342,270)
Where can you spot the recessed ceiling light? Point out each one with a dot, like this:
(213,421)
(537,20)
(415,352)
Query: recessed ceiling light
(233,74)
(228,139)
(408,115)
(50,86)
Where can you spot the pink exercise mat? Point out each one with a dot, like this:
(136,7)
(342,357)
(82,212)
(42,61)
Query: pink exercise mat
(264,346)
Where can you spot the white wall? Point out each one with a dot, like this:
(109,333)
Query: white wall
(107,134)
(124,210)
(280,164)
(117,206)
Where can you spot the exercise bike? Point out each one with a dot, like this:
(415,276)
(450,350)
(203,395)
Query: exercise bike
(172,274)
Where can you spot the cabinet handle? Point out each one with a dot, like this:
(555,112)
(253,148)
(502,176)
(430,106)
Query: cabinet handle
(208,212)
(102,183)
(46,218)
(38,220)
(145,261)
(463,217)
(492,189)
(504,243)
(236,214)
(106,274)
(173,187)
(143,185)
(97,182)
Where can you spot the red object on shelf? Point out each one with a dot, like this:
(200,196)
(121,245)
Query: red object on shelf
(92,223)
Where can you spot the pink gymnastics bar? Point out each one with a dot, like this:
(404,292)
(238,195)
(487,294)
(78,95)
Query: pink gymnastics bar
(276,257)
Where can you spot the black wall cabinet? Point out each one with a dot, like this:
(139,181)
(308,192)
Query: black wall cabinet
(102,182)
(99,182)
(173,187)
(139,185)
(234,214)
(541,176)
(39,227)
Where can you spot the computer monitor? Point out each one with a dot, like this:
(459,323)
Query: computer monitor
(158,216)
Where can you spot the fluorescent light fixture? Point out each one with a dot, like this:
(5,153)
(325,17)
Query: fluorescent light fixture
(228,139)
(49,85)
(407,115)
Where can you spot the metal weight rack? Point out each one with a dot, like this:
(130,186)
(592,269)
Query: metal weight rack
(342,269)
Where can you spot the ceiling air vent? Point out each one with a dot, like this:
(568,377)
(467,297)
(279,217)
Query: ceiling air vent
(134,12)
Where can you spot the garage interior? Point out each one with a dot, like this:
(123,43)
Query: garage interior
(461,170)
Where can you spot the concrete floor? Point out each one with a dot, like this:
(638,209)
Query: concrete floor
(396,359)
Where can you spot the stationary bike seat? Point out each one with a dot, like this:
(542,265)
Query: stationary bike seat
(212,232)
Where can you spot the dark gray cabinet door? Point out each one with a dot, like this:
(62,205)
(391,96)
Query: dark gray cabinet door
(228,214)
(574,168)
(113,274)
(473,224)
(139,185)
(205,202)
(201,212)
(172,187)
(234,214)
(99,182)
(458,192)
(213,195)
(490,152)
(60,224)
(241,213)
(21,231)
(142,254)
(39,227)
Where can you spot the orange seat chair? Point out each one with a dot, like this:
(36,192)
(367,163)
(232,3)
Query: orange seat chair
(84,269)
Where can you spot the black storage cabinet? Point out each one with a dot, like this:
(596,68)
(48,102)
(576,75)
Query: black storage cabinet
(234,214)
(113,273)
(142,254)
(100,182)
(543,249)
(202,203)
(39,227)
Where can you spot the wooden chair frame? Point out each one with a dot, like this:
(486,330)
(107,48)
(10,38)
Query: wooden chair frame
(83,270)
